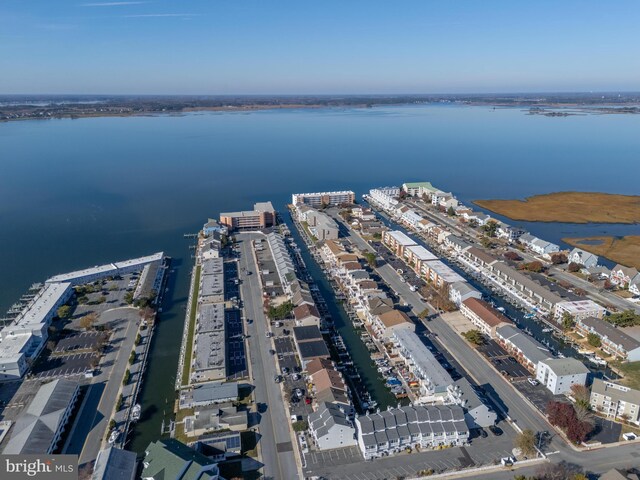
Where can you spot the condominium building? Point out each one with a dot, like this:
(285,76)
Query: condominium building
(614,340)
(262,216)
(330,427)
(397,241)
(483,316)
(395,429)
(417,189)
(319,199)
(579,310)
(560,374)
(615,401)
(461,291)
(385,197)
(528,351)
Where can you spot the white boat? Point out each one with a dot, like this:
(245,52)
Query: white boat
(135,412)
(500,309)
(114,436)
(547,330)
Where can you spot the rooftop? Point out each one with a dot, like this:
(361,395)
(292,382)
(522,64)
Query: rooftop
(533,350)
(421,253)
(423,359)
(613,334)
(566,366)
(615,391)
(486,312)
(110,267)
(401,238)
(393,318)
(312,349)
(306,333)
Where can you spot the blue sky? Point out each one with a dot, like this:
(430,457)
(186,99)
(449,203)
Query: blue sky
(304,47)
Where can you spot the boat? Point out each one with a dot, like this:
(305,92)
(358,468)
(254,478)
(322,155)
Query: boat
(547,330)
(135,412)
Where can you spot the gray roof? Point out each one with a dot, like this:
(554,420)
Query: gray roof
(527,282)
(327,416)
(527,238)
(457,241)
(566,366)
(115,464)
(468,394)
(210,317)
(463,288)
(214,391)
(481,255)
(531,348)
(616,392)
(37,425)
(605,329)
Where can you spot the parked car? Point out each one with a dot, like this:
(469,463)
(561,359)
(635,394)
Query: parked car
(497,431)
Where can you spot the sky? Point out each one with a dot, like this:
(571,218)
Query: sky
(221,47)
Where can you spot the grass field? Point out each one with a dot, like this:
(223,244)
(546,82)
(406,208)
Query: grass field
(192,325)
(569,207)
(624,250)
(630,372)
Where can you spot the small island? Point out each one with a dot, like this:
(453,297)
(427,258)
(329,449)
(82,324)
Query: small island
(569,207)
(623,250)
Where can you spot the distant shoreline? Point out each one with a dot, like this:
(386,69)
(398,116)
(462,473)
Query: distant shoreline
(37,108)
(569,207)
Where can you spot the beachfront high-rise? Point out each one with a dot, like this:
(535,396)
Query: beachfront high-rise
(323,198)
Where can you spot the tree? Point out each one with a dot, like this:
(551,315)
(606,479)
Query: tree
(147,314)
(564,415)
(127,377)
(567,321)
(511,255)
(474,336)
(370,257)
(280,312)
(473,223)
(64,311)
(594,340)
(536,266)
(300,426)
(88,320)
(581,394)
(490,228)
(558,258)
(573,267)
(526,442)
(628,318)
(558,471)
(451,212)
(128,297)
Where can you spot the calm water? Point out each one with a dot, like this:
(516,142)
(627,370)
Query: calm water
(75,193)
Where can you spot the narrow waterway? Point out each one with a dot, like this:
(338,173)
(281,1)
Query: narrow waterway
(371,378)
(531,326)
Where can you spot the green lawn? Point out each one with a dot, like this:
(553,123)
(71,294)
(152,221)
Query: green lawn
(631,373)
(192,325)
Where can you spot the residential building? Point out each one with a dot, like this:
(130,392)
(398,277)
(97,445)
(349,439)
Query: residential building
(320,199)
(509,233)
(486,318)
(115,464)
(395,429)
(330,427)
(461,291)
(560,374)
(434,380)
(411,219)
(615,401)
(39,427)
(262,216)
(582,257)
(309,344)
(622,276)
(634,285)
(321,225)
(440,274)
(284,264)
(456,243)
(527,351)
(386,324)
(537,245)
(213,227)
(579,310)
(541,296)
(477,413)
(306,314)
(480,258)
(169,459)
(418,189)
(385,197)
(397,241)
(416,256)
(208,393)
(212,418)
(614,340)
(600,272)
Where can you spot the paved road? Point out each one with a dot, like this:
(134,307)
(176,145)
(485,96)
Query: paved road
(89,433)
(275,443)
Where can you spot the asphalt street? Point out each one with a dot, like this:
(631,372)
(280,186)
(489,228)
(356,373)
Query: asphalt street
(275,441)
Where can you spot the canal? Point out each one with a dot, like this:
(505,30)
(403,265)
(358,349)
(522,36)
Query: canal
(371,378)
(531,326)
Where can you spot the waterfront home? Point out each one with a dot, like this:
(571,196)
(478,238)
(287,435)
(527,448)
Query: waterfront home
(327,378)
(425,225)
(306,314)
(397,241)
(615,401)
(115,463)
(309,343)
(479,257)
(558,375)
(395,429)
(579,310)
(385,197)
(377,306)
(477,217)
(411,219)
(537,245)
(224,416)
(527,351)
(542,297)
(169,459)
(622,276)
(614,340)
(318,364)
(208,393)
(331,249)
(330,427)
(284,264)
(300,293)
(447,201)
(321,225)
(456,244)
(582,257)
(461,291)
(418,189)
(477,413)
(486,318)
(634,285)
(433,379)
(599,272)
(389,322)
(335,396)
(213,227)
(509,232)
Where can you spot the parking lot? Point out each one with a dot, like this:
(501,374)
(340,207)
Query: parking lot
(503,362)
(80,341)
(348,464)
(66,365)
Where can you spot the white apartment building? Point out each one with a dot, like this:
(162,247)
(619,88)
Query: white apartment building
(560,374)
